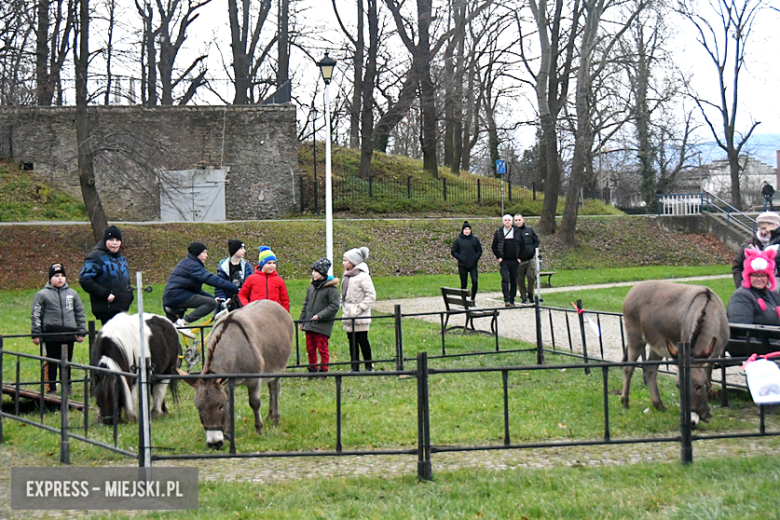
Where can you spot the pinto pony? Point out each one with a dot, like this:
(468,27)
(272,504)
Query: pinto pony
(255,339)
(118,348)
(663,314)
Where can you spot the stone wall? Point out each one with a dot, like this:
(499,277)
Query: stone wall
(134,146)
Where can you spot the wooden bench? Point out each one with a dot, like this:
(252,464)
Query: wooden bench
(549,275)
(456,301)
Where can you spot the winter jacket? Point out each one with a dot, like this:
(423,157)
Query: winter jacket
(528,240)
(754,307)
(737,265)
(767,191)
(187,279)
(58,310)
(360,297)
(323,302)
(498,242)
(239,277)
(263,286)
(106,273)
(467,250)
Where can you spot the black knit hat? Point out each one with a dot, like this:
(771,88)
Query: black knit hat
(234,246)
(112,232)
(56,269)
(465,225)
(322,266)
(196,248)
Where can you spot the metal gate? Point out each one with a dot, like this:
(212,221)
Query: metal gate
(192,195)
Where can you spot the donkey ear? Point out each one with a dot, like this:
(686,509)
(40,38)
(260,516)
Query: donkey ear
(671,348)
(218,382)
(192,382)
(709,349)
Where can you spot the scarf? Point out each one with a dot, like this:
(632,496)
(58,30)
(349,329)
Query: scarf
(345,282)
(318,283)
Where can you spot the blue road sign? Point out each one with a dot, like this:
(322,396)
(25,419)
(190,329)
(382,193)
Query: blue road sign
(500,166)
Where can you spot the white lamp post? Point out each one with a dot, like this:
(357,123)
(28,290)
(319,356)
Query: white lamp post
(326,65)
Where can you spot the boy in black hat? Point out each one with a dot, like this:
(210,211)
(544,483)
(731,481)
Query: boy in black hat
(57,309)
(106,277)
(320,306)
(235,269)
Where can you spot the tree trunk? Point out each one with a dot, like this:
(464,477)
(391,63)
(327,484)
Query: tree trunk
(427,90)
(367,132)
(44,90)
(283,44)
(97,216)
(357,91)
(395,113)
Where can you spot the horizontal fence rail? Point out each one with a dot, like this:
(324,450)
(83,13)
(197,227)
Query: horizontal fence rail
(580,341)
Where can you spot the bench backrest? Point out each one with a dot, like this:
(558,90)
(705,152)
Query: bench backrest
(456,298)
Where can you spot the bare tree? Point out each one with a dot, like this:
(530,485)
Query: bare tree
(162,45)
(55,22)
(245,29)
(556,32)
(16,30)
(590,67)
(358,42)
(94,207)
(724,33)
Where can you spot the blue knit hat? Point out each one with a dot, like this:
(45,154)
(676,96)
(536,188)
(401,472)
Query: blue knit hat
(265,255)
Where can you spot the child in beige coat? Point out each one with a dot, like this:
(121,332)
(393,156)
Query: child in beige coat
(357,297)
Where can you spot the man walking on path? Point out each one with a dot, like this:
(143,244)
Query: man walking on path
(505,247)
(529,241)
(768,192)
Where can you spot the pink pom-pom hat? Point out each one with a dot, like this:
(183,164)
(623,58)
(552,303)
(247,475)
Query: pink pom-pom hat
(759,262)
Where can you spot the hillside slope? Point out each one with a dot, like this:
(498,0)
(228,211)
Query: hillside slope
(398,247)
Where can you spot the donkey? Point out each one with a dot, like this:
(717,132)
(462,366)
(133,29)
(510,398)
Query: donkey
(662,314)
(118,347)
(254,339)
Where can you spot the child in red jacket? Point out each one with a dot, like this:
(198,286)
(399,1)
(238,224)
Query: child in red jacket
(265,283)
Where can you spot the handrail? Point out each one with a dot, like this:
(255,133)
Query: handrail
(731,209)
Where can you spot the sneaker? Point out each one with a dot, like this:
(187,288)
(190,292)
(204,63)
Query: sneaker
(525,300)
(507,304)
(181,325)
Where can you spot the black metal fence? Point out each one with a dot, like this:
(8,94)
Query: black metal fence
(425,445)
(348,191)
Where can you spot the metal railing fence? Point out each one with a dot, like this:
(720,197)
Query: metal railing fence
(425,445)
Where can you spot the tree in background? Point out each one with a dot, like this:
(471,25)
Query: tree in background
(724,32)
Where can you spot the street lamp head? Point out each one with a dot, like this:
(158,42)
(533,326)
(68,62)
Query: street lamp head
(326,65)
(314,112)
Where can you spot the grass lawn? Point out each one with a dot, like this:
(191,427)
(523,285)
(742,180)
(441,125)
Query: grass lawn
(728,488)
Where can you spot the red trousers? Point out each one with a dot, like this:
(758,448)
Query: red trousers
(316,342)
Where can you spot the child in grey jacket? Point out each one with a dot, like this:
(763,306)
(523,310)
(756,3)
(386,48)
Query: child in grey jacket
(57,309)
(320,306)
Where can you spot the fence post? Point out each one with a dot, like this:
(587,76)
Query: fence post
(399,340)
(509,187)
(581,316)
(686,433)
(479,190)
(370,186)
(538,312)
(409,186)
(303,193)
(444,184)
(533,190)
(232,398)
(64,417)
(424,470)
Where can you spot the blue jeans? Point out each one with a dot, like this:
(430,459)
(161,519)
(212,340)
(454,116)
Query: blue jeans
(769,200)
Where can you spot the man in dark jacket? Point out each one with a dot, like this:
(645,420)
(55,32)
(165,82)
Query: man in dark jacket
(467,250)
(106,278)
(767,234)
(529,241)
(768,192)
(506,248)
(183,288)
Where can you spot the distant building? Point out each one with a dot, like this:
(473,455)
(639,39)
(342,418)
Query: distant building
(715,178)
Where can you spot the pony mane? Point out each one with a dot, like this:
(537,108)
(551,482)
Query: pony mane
(217,336)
